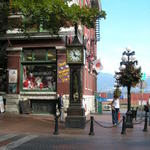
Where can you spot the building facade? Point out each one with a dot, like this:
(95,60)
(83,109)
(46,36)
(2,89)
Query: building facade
(35,67)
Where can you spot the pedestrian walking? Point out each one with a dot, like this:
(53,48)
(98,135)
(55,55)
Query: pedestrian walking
(2,110)
(83,107)
(60,107)
(115,110)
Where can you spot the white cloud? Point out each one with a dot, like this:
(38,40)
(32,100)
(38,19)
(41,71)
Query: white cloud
(110,65)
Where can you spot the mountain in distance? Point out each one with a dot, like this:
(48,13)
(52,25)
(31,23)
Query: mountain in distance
(105,83)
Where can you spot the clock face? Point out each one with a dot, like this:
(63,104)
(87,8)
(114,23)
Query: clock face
(74,56)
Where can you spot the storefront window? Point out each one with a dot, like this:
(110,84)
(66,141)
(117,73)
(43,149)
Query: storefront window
(27,55)
(40,73)
(40,55)
(39,77)
(51,55)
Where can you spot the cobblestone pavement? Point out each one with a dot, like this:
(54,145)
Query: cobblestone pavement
(31,132)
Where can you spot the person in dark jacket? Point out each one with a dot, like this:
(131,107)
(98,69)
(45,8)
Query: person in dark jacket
(60,106)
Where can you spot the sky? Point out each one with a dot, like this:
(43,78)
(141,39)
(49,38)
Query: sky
(127,24)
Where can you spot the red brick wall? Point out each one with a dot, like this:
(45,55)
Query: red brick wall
(62,82)
(136,97)
(14,63)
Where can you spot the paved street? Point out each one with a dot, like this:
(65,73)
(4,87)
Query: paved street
(33,132)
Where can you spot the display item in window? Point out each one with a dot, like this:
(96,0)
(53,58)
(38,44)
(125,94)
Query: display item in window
(30,81)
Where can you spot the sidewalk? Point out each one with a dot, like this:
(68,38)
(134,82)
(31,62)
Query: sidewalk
(44,124)
(106,137)
(33,124)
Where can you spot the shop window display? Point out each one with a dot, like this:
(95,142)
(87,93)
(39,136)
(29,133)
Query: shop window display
(39,77)
(39,69)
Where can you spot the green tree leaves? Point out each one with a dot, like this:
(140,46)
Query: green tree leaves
(51,15)
(130,76)
(117,93)
(3,16)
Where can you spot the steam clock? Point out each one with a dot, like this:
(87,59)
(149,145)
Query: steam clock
(75,59)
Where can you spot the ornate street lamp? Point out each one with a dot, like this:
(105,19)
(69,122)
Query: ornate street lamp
(128,76)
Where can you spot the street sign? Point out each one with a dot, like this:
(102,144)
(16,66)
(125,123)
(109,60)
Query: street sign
(143,76)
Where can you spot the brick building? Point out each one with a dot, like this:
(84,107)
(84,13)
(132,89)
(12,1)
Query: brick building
(35,68)
(137,99)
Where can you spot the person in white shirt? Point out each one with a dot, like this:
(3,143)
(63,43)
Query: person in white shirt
(115,109)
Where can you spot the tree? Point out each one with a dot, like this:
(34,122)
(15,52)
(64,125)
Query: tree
(51,15)
(130,76)
(117,92)
(3,15)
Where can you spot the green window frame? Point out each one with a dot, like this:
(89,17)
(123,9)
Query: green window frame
(38,69)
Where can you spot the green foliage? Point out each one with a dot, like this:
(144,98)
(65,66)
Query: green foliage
(51,15)
(130,76)
(117,93)
(3,16)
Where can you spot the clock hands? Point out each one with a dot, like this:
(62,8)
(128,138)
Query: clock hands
(75,54)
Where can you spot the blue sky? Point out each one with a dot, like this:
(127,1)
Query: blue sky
(127,24)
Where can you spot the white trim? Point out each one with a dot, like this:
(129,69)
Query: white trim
(37,93)
(14,49)
(60,47)
(37,97)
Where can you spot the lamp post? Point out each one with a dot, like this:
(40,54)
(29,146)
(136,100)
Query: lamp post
(128,76)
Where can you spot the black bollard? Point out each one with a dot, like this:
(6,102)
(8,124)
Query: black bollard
(145,123)
(56,126)
(123,126)
(92,126)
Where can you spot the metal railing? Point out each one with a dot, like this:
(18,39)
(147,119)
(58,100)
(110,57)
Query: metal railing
(103,124)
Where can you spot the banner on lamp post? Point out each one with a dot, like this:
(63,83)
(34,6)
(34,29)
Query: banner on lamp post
(97,66)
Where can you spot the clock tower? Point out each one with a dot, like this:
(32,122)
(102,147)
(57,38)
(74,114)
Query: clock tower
(75,57)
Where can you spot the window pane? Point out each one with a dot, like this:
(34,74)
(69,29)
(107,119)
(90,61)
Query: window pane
(51,55)
(39,77)
(27,55)
(40,55)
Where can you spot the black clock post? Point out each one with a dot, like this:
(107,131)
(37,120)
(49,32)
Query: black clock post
(75,113)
